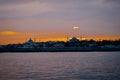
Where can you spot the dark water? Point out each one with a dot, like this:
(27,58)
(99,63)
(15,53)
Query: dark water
(60,66)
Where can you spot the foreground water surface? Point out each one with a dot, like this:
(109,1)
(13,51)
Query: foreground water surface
(60,66)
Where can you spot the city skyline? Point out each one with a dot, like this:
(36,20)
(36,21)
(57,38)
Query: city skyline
(54,20)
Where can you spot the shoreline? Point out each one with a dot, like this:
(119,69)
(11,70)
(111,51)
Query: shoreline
(59,49)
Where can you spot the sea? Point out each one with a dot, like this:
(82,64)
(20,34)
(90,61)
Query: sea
(60,66)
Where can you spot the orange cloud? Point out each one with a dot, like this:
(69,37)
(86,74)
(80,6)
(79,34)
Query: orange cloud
(8,32)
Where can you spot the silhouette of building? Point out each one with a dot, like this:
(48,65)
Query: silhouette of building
(30,41)
(74,39)
(29,44)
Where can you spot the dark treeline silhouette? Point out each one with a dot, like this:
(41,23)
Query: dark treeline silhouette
(73,44)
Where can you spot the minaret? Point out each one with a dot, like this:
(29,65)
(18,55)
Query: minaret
(67,39)
(81,38)
(34,39)
(25,39)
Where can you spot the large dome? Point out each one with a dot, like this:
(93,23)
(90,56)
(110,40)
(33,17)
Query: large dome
(74,39)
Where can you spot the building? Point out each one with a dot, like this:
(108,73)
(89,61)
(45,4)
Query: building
(29,44)
(74,39)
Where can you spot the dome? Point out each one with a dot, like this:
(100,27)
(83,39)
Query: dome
(30,41)
(74,39)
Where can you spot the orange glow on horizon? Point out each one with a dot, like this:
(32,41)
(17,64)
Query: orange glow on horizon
(21,39)
(12,37)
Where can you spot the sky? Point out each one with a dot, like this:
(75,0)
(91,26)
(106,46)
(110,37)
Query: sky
(45,20)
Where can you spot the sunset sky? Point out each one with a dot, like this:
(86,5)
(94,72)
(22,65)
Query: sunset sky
(54,19)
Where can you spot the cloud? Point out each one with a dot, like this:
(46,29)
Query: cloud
(8,32)
(57,15)
(113,1)
(11,9)
(3,2)
(75,27)
(24,9)
(4,23)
